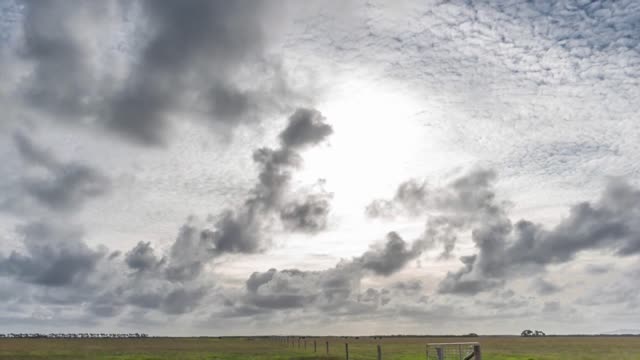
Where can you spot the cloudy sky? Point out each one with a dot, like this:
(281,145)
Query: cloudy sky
(217,168)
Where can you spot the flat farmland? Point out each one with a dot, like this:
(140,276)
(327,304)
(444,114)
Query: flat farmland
(400,348)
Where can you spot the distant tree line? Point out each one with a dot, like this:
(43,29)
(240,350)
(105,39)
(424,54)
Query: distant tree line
(75,336)
(527,333)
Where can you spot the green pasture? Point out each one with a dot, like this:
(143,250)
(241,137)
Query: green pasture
(364,348)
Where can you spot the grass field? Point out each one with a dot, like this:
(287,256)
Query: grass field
(494,348)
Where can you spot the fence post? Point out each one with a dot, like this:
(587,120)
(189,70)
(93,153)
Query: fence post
(305,344)
(298,343)
(314,346)
(477,353)
(379,352)
(346,349)
(327,348)
(426,351)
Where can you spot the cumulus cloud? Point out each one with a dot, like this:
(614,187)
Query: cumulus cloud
(393,256)
(196,48)
(329,289)
(181,300)
(306,127)
(411,198)
(63,82)
(307,213)
(54,255)
(63,270)
(168,298)
(244,229)
(173,282)
(211,60)
(461,202)
(508,250)
(142,257)
(65,187)
(334,290)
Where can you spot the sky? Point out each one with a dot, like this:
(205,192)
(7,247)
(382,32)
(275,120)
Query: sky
(321,168)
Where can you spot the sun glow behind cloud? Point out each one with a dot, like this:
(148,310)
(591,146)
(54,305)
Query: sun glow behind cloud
(379,137)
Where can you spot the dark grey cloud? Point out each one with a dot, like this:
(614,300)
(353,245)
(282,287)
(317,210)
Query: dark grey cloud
(457,205)
(292,289)
(172,283)
(33,154)
(306,127)
(235,233)
(182,300)
(63,82)
(258,279)
(197,50)
(54,256)
(63,270)
(276,166)
(70,187)
(370,295)
(142,257)
(395,254)
(106,305)
(308,214)
(189,253)
(457,283)
(67,187)
(179,300)
(507,250)
(244,229)
(332,291)
(192,41)
(146,299)
(191,59)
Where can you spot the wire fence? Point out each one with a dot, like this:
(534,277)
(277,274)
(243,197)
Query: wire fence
(356,350)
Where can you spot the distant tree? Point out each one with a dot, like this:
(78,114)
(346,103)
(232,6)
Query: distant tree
(527,333)
(472,335)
